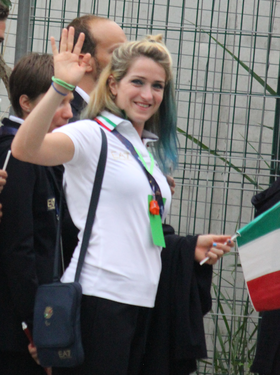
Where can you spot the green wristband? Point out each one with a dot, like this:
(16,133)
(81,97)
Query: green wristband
(61,83)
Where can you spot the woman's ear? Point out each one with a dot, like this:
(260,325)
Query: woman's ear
(112,85)
(25,104)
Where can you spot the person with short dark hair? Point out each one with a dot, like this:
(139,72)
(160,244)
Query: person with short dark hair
(30,89)
(28,226)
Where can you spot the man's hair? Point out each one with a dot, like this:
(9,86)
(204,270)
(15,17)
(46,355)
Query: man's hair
(82,25)
(32,76)
(162,123)
(4,12)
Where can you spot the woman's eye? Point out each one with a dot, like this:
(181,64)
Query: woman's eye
(137,81)
(158,86)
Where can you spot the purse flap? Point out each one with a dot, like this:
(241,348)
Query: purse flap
(56,308)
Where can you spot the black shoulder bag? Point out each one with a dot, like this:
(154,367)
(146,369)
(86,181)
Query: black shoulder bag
(56,323)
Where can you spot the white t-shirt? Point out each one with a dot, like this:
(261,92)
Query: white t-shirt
(122,263)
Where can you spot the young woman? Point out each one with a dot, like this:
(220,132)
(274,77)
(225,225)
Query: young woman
(28,226)
(121,271)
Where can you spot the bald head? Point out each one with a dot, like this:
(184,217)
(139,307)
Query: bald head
(108,36)
(99,33)
(102,36)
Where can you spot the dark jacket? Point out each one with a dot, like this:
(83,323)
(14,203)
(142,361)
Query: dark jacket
(77,105)
(176,337)
(27,241)
(69,231)
(267,358)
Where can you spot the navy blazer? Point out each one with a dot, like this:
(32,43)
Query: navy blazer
(27,241)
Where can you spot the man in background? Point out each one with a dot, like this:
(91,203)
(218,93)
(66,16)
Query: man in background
(102,36)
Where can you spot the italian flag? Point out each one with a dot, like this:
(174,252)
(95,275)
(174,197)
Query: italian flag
(259,251)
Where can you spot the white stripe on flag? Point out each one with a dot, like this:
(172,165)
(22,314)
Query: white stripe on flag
(261,256)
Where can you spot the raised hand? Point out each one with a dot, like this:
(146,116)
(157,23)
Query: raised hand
(69,64)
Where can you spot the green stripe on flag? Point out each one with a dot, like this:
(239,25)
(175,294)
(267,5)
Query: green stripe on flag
(267,222)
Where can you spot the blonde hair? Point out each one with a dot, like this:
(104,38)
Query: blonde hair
(123,57)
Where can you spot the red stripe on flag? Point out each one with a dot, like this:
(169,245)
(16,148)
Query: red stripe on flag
(265,291)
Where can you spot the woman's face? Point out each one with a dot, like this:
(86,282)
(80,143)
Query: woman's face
(140,92)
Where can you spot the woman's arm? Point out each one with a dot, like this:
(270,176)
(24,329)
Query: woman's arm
(32,143)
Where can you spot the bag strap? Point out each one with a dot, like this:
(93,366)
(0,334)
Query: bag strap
(58,244)
(90,216)
(93,202)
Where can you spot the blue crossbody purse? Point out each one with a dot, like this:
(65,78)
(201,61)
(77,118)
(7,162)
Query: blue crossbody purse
(56,323)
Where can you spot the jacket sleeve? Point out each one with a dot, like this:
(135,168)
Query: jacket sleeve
(17,255)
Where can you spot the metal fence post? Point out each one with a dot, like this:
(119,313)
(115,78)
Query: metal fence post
(23,29)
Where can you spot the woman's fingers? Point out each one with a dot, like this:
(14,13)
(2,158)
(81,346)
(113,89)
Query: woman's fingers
(215,246)
(3,176)
(79,44)
(222,239)
(70,39)
(64,41)
(225,247)
(33,352)
(53,45)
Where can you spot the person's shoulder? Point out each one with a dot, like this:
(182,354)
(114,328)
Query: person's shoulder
(80,125)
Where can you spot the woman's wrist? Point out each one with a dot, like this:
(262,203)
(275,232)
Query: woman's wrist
(58,91)
(63,84)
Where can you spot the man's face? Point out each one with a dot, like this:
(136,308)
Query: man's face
(2,30)
(108,36)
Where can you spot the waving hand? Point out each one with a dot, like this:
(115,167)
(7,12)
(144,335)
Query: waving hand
(68,66)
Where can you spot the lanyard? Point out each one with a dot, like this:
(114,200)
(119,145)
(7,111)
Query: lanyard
(151,169)
(109,125)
